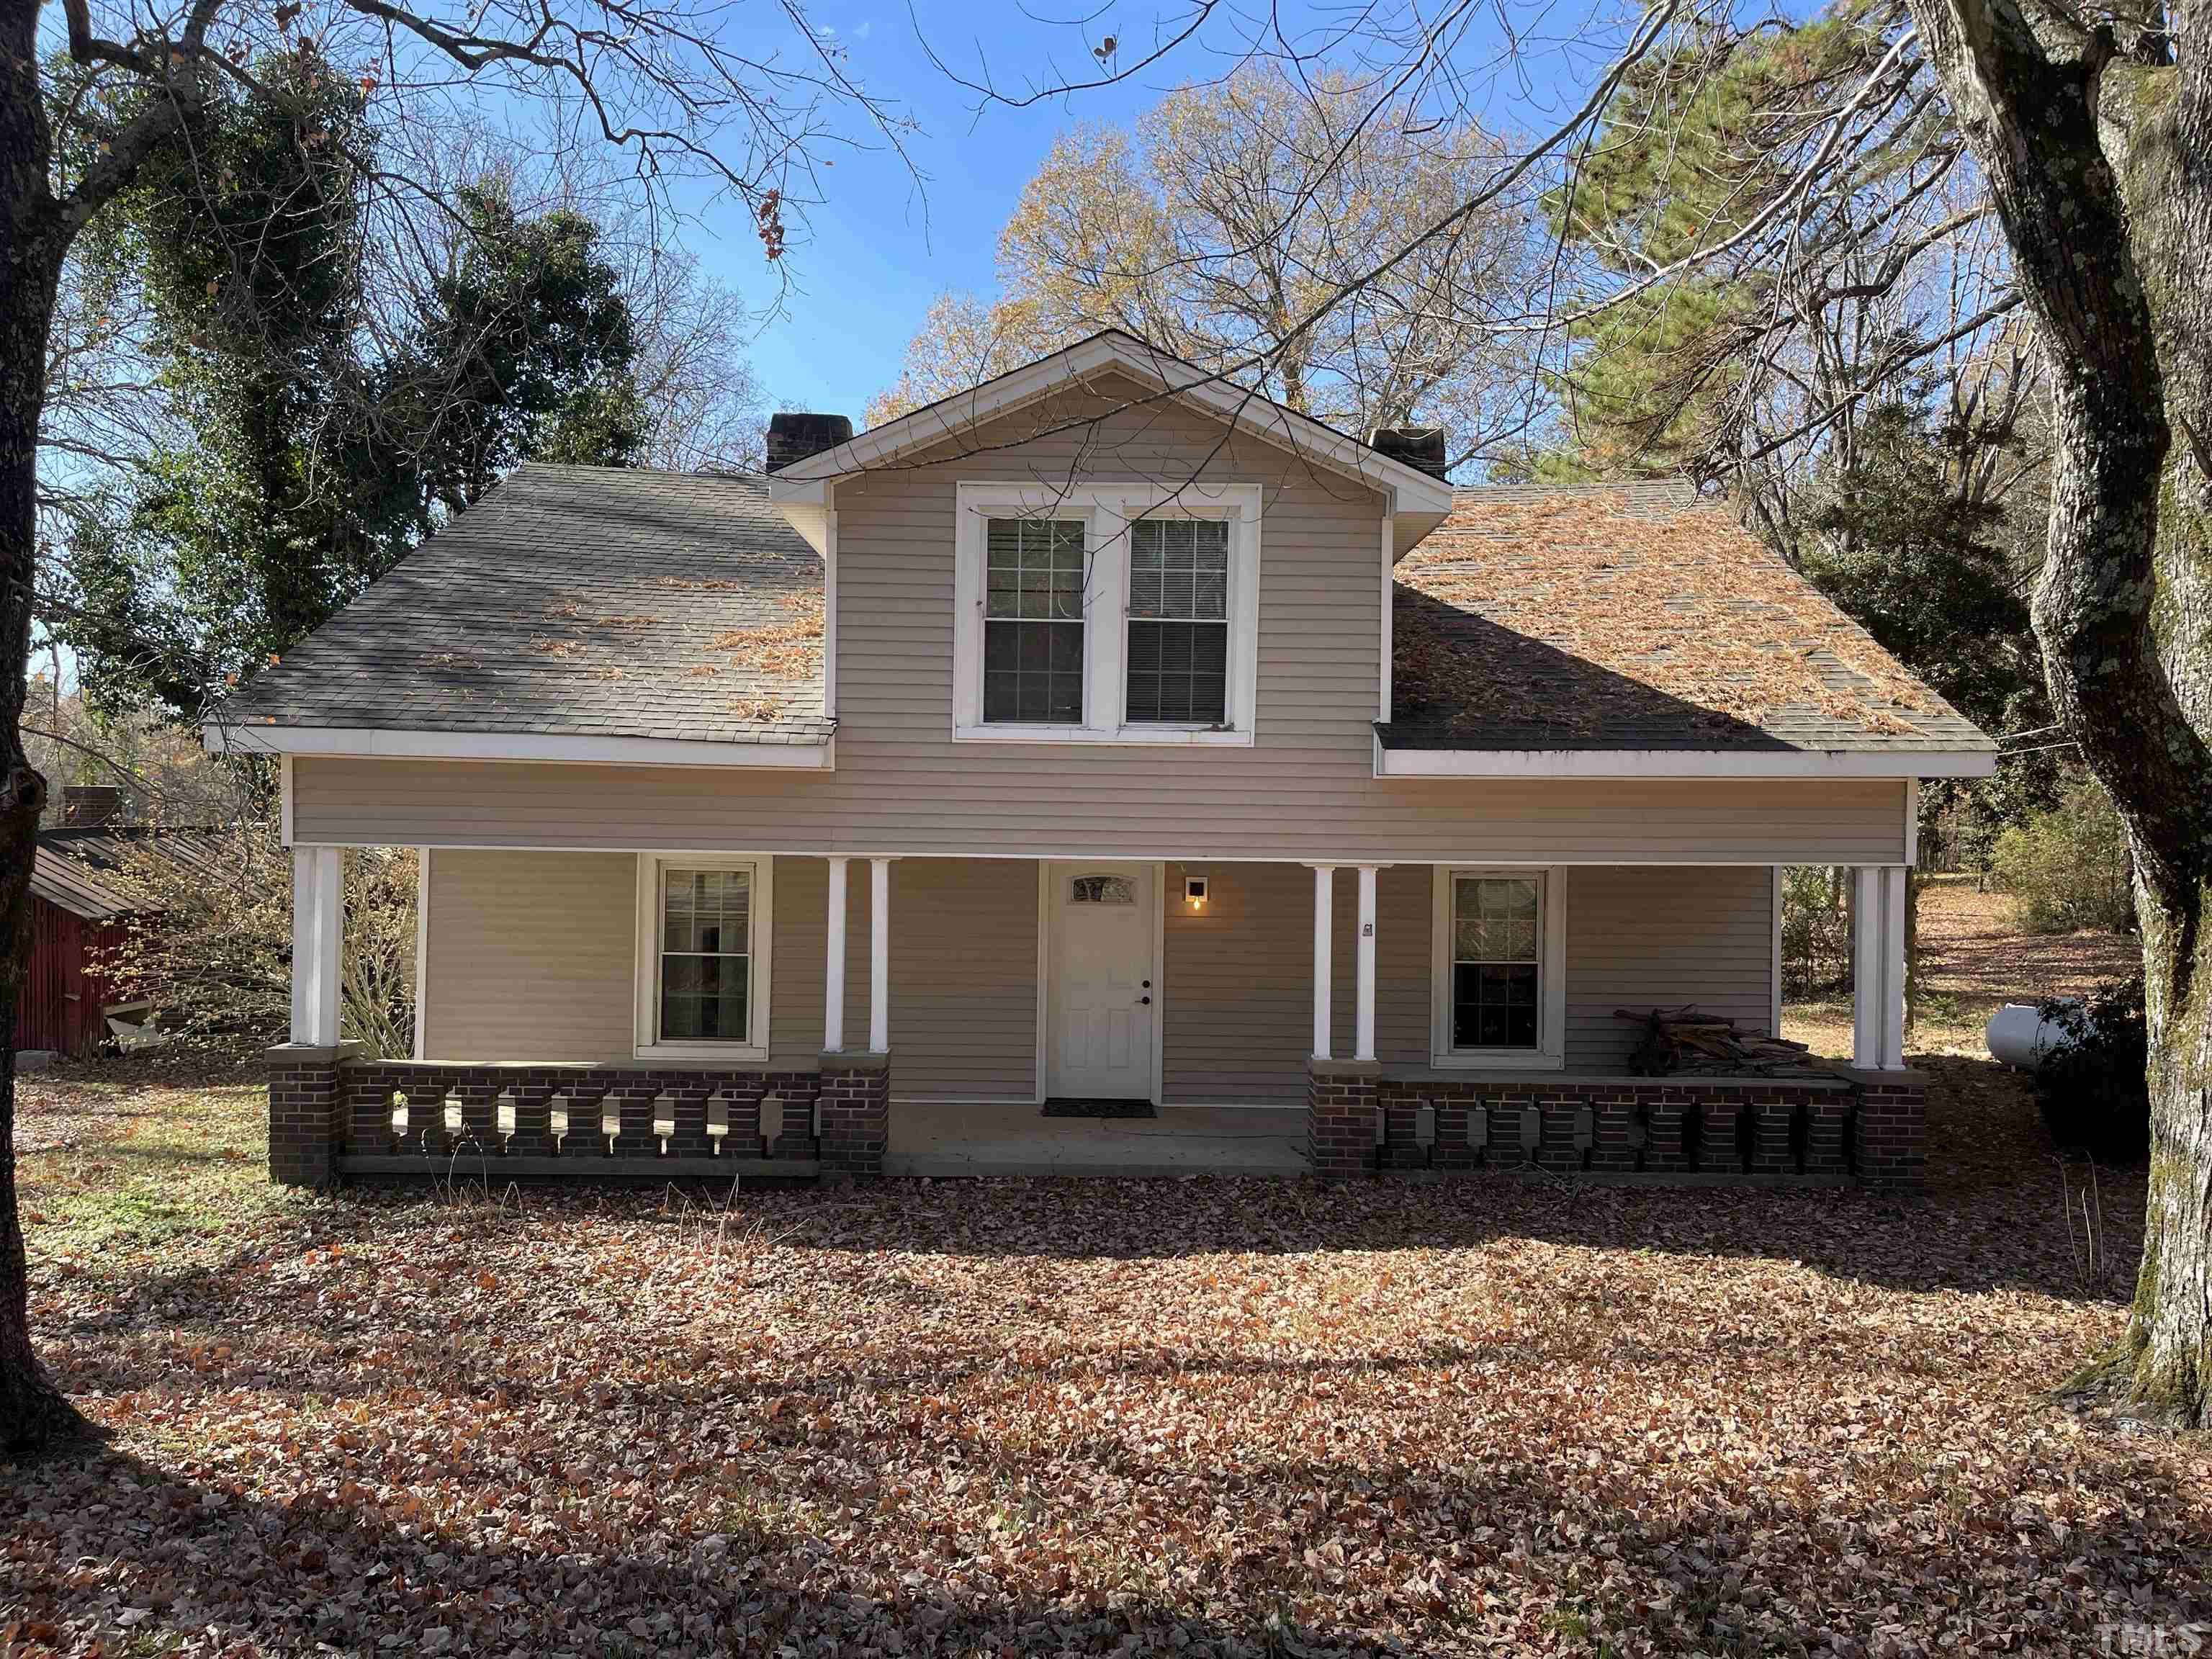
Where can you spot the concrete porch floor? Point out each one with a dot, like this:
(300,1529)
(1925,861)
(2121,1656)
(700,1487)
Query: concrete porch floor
(928,1139)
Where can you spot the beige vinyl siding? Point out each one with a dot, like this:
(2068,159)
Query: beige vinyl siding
(1304,788)
(1651,938)
(963,958)
(1239,978)
(964,972)
(529,957)
(797,968)
(532,957)
(400,803)
(1237,984)
(1404,901)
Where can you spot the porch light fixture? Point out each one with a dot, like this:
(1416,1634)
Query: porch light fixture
(1194,891)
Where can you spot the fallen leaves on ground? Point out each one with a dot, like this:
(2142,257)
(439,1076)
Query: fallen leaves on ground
(1486,1416)
(1973,960)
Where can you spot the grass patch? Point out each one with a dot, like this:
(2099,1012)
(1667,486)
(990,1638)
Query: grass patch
(114,1163)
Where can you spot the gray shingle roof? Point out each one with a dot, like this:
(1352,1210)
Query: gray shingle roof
(612,603)
(1634,617)
(577,600)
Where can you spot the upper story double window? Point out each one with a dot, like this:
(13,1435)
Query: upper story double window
(1113,613)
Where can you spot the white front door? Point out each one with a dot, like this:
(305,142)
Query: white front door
(1104,991)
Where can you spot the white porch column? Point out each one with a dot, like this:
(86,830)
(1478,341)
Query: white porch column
(833,987)
(317,925)
(1363,1028)
(1324,902)
(879,955)
(1878,968)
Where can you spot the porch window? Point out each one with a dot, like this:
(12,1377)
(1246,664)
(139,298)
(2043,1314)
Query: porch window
(1033,622)
(1495,967)
(1178,621)
(706,954)
(1500,995)
(702,950)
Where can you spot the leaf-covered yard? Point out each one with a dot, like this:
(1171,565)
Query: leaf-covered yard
(1487,1417)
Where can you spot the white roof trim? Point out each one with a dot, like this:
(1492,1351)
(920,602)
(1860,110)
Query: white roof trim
(369,741)
(1683,763)
(957,417)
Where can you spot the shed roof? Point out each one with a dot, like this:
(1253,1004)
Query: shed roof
(83,871)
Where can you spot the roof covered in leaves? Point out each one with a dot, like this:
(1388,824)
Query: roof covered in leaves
(86,871)
(606,602)
(578,600)
(1634,617)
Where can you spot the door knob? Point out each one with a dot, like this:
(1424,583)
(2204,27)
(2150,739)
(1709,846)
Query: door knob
(1147,1002)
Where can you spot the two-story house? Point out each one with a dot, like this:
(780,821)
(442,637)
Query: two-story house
(1106,734)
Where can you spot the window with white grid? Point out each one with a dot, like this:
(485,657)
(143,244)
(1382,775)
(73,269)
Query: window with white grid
(1178,650)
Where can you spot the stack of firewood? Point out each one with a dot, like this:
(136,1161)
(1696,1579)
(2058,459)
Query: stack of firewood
(1686,1042)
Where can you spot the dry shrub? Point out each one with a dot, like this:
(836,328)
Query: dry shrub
(1816,929)
(209,943)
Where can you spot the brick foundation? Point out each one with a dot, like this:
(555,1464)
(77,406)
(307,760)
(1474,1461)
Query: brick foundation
(1889,1137)
(306,1114)
(1720,1120)
(1872,1124)
(326,1108)
(856,1113)
(1341,1106)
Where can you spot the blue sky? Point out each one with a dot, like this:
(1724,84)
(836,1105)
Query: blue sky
(879,249)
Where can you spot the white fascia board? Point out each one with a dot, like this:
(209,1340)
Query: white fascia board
(378,743)
(805,507)
(1682,764)
(952,418)
(1409,530)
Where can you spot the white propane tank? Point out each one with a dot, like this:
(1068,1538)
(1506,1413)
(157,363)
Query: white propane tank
(2019,1036)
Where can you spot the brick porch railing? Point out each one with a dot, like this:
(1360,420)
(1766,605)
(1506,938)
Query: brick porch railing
(1870,1126)
(331,1114)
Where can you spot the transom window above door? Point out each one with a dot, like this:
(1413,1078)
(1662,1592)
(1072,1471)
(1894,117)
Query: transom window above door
(1106,613)
(1103,889)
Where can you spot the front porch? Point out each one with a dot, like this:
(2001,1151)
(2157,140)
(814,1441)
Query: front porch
(1434,1019)
(941,1141)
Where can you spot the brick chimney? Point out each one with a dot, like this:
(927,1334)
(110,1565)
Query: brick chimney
(793,437)
(87,805)
(1421,447)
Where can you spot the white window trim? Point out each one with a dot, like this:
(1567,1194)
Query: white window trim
(1106,510)
(1550,1053)
(646,960)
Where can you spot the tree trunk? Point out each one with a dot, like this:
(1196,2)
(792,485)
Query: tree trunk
(2100,168)
(2158,123)
(33,1415)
